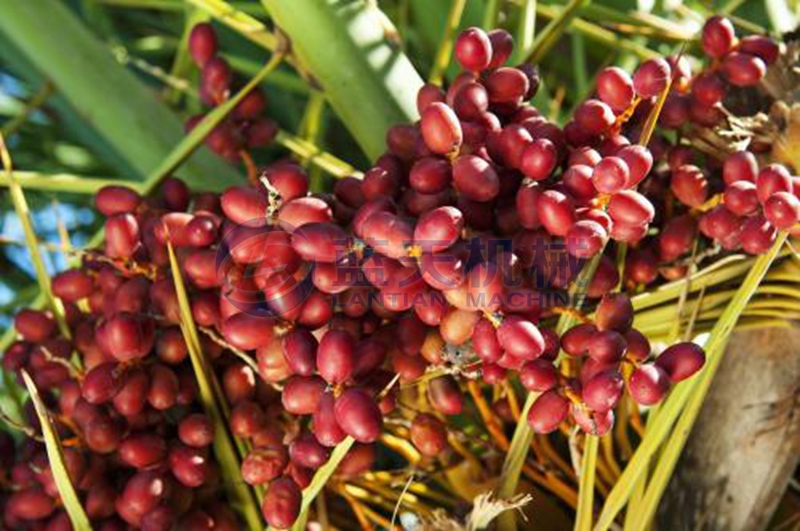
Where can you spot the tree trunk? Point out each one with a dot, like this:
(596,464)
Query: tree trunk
(746,442)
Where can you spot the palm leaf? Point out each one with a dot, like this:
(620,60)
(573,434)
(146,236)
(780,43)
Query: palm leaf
(311,154)
(598,33)
(62,182)
(55,455)
(224,449)
(370,83)
(583,520)
(690,392)
(553,31)
(32,242)
(320,479)
(445,50)
(139,128)
(526,31)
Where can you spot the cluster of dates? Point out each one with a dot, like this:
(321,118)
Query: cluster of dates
(451,256)
(247,127)
(508,206)
(141,453)
(747,204)
(613,351)
(118,383)
(733,65)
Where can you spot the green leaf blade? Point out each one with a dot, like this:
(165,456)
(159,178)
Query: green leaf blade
(32,241)
(369,82)
(125,112)
(320,479)
(55,455)
(553,31)
(243,497)
(681,395)
(63,182)
(583,520)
